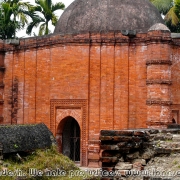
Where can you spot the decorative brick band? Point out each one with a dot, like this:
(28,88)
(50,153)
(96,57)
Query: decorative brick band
(14,110)
(150,62)
(158,38)
(158,102)
(94,142)
(159,81)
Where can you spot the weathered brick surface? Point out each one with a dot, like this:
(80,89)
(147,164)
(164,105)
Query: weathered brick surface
(8,79)
(29,86)
(2,69)
(175,69)
(175,88)
(94,87)
(107,87)
(121,91)
(43,85)
(126,82)
(158,94)
(18,71)
(141,88)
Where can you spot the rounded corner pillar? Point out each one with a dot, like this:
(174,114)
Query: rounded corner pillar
(158,79)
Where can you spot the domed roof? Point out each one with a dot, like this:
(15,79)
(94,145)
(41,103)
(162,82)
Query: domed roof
(104,15)
(159,26)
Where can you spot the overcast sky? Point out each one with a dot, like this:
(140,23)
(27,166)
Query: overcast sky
(58,13)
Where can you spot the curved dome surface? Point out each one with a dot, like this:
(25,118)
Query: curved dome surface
(105,15)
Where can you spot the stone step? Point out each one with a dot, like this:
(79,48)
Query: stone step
(173,126)
(167,144)
(109,159)
(163,151)
(134,132)
(116,138)
(123,166)
(176,137)
(162,136)
(114,153)
(172,131)
(116,133)
(156,178)
(114,147)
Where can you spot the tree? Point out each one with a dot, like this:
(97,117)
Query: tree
(47,9)
(13,17)
(7,26)
(170,9)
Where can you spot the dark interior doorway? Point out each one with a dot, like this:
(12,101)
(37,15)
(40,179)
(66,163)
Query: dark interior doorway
(71,139)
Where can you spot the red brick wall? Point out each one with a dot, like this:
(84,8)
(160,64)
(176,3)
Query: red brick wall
(107,71)
(159,79)
(1,80)
(175,72)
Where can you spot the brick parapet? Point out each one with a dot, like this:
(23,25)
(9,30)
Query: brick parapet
(159,36)
(84,38)
(108,38)
(176,42)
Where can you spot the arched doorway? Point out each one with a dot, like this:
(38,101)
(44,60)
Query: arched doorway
(70,138)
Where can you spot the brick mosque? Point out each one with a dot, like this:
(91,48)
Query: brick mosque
(109,65)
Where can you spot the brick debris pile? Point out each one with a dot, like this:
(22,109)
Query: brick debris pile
(129,151)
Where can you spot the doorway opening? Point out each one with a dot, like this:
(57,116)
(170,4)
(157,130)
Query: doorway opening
(71,139)
(175,116)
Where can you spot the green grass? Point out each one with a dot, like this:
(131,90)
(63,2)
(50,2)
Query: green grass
(175,162)
(43,162)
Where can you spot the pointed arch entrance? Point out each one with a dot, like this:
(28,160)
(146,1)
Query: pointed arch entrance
(69,138)
(61,109)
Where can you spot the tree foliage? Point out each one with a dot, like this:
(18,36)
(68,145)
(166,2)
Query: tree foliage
(13,17)
(16,14)
(170,10)
(47,9)
(7,26)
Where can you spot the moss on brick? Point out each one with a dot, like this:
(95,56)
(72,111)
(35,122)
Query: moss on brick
(16,138)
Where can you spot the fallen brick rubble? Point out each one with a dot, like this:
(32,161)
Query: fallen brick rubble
(130,151)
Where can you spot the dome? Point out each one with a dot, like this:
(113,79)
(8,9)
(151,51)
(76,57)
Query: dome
(159,26)
(105,15)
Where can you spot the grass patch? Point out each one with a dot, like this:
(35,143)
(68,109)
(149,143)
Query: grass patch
(175,162)
(41,165)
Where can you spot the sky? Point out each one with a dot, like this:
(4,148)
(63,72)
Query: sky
(58,13)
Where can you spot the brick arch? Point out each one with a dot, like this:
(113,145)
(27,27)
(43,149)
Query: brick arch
(61,116)
(62,120)
(60,131)
(63,113)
